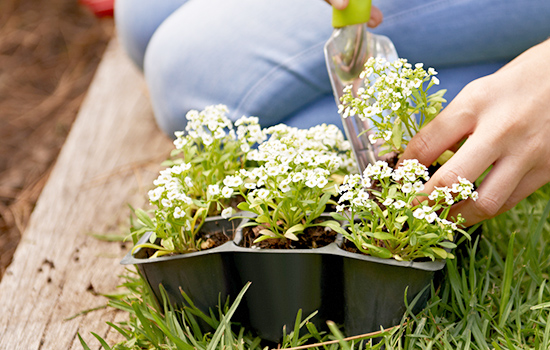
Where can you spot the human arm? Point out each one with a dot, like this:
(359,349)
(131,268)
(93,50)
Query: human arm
(505,120)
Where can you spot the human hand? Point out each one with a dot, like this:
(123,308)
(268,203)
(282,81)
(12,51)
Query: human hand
(505,119)
(376,15)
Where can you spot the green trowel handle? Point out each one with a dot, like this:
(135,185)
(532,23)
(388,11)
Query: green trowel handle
(357,12)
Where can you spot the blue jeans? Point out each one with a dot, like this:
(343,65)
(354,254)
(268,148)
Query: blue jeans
(265,57)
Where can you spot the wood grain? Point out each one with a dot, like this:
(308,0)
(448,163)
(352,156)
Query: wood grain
(111,156)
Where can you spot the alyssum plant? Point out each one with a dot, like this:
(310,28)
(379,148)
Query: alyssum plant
(388,220)
(191,188)
(395,100)
(294,179)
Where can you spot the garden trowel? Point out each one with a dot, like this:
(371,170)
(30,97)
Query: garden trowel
(346,53)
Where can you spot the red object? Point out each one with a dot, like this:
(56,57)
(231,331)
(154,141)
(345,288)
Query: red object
(100,8)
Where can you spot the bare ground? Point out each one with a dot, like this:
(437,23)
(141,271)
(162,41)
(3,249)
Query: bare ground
(49,50)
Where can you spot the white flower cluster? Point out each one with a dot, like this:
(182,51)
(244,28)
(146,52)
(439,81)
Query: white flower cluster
(207,125)
(249,132)
(399,187)
(294,158)
(387,94)
(462,190)
(170,195)
(212,124)
(319,146)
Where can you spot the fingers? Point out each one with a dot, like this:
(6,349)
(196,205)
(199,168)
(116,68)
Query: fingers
(376,17)
(496,192)
(463,164)
(338,4)
(441,134)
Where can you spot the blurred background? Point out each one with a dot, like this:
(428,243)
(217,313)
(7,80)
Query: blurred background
(49,51)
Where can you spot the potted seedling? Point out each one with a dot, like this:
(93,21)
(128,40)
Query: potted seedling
(282,250)
(184,243)
(397,237)
(396,101)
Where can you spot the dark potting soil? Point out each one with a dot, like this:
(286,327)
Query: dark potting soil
(207,240)
(212,239)
(312,237)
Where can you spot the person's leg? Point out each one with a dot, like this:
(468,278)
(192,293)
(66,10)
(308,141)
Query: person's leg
(259,57)
(137,20)
(463,40)
(442,33)
(263,59)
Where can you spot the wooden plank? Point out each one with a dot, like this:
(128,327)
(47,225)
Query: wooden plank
(111,156)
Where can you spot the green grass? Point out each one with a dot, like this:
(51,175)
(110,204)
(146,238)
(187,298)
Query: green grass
(495,295)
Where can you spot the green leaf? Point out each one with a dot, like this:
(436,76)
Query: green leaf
(379,252)
(413,239)
(296,228)
(82,342)
(225,322)
(444,157)
(144,218)
(447,244)
(266,232)
(442,253)
(401,219)
(507,280)
(385,236)
(333,225)
(243,206)
(262,219)
(428,236)
(397,134)
(338,216)
(336,332)
(291,236)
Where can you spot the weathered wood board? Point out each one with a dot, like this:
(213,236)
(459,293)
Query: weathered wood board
(109,160)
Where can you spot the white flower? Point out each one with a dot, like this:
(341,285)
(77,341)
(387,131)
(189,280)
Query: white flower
(372,138)
(435,80)
(250,185)
(398,204)
(418,186)
(387,202)
(322,182)
(227,192)
(419,213)
(431,217)
(340,208)
(227,212)
(185,199)
(154,195)
(188,181)
(207,139)
(180,143)
(166,203)
(213,190)
(178,213)
(232,181)
(263,193)
(407,188)
(474,195)
(245,147)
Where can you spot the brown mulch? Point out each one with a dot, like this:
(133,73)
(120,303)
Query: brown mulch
(49,50)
